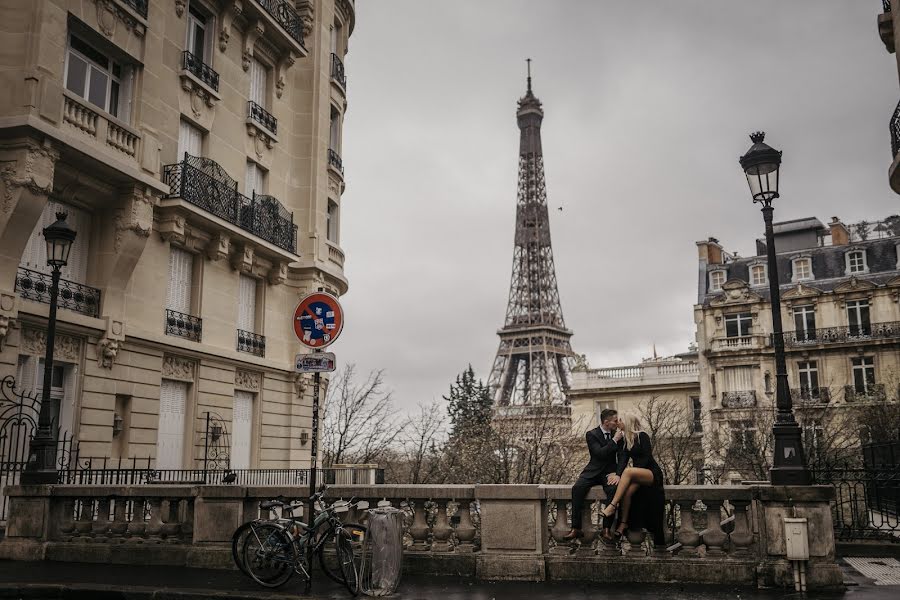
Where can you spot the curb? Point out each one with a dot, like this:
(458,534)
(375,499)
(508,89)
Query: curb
(41,591)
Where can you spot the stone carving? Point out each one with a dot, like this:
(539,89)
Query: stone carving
(36,178)
(176,367)
(4,329)
(179,7)
(581,363)
(235,9)
(218,247)
(172,230)
(307,11)
(301,382)
(743,399)
(278,273)
(136,216)
(283,65)
(65,347)
(242,259)
(247,380)
(107,349)
(109,14)
(253,33)
(344,7)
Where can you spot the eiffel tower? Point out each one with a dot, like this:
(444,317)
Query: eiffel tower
(532,366)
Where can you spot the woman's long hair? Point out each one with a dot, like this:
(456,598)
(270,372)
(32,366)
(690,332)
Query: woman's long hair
(631,426)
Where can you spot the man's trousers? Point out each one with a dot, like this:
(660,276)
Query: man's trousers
(579,493)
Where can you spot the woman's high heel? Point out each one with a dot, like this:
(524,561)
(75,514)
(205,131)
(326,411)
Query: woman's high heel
(610,509)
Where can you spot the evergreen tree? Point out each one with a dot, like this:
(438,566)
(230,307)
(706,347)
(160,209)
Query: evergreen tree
(469,403)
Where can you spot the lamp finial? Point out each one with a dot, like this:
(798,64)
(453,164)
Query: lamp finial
(757,137)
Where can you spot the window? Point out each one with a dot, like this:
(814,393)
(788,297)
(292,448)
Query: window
(864,374)
(699,472)
(258,82)
(856,262)
(241,429)
(190,140)
(255,180)
(98,79)
(802,269)
(197,42)
(246,320)
(697,412)
(813,440)
(805,323)
(334,139)
(181,274)
(170,434)
(602,405)
(743,436)
(738,379)
(35,255)
(808,373)
(758,275)
(716,280)
(336,39)
(331,225)
(738,325)
(858,318)
(30,378)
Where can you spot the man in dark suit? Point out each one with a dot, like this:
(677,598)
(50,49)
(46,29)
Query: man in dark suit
(603,443)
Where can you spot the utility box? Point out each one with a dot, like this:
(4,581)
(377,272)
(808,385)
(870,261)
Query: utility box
(796,538)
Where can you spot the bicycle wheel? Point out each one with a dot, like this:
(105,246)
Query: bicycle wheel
(328,552)
(237,546)
(348,565)
(269,555)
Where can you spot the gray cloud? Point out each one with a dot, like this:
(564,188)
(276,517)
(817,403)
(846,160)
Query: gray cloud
(648,105)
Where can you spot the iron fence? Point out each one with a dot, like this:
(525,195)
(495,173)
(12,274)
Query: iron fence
(886,4)
(265,214)
(34,285)
(260,115)
(895,132)
(202,71)
(183,325)
(286,16)
(250,342)
(838,335)
(139,6)
(334,159)
(337,70)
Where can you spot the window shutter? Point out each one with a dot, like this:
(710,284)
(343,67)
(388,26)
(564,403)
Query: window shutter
(253,181)
(738,379)
(170,435)
(181,268)
(247,304)
(35,255)
(241,429)
(26,374)
(258,82)
(190,140)
(126,93)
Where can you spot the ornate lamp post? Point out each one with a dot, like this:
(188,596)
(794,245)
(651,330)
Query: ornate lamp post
(761,164)
(41,467)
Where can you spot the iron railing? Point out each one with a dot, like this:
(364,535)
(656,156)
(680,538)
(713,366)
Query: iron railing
(839,335)
(811,395)
(183,325)
(337,70)
(334,159)
(895,132)
(286,16)
(740,399)
(139,6)
(34,285)
(202,71)
(251,343)
(260,115)
(204,183)
(874,393)
(866,502)
(887,5)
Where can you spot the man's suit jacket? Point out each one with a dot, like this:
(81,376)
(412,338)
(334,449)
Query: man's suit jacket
(603,454)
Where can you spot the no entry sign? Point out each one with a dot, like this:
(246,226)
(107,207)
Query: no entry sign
(318,320)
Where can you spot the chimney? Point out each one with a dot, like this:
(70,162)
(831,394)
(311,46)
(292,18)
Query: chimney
(710,251)
(840,235)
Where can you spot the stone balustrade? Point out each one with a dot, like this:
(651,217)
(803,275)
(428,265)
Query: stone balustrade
(714,534)
(101,128)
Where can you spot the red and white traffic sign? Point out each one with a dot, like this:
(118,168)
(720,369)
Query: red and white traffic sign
(318,320)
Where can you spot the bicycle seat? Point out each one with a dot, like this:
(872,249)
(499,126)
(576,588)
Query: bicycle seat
(270,504)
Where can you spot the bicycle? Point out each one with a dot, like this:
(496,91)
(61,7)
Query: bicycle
(271,551)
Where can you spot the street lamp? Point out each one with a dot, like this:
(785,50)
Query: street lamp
(761,164)
(41,467)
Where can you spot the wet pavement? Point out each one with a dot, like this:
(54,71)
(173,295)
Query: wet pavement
(49,580)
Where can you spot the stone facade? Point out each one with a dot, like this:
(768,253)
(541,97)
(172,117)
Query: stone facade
(107,146)
(840,291)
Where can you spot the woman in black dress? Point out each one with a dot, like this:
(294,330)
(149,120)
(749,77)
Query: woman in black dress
(644,470)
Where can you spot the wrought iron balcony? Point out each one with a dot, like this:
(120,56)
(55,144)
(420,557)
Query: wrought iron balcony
(34,285)
(839,335)
(875,393)
(887,5)
(741,399)
(204,183)
(334,159)
(337,70)
(895,132)
(182,325)
(283,12)
(202,71)
(260,115)
(139,6)
(251,343)
(811,395)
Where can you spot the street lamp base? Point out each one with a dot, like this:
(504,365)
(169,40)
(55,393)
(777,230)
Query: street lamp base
(39,477)
(789,465)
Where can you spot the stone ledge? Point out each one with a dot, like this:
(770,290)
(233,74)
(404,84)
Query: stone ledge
(652,570)
(498,567)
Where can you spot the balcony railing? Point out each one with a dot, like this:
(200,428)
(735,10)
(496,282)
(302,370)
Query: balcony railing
(337,70)
(895,132)
(101,128)
(204,183)
(839,335)
(139,6)
(811,395)
(251,343)
(741,399)
(260,115)
(887,5)
(202,71)
(286,16)
(334,159)
(34,285)
(183,325)
(874,393)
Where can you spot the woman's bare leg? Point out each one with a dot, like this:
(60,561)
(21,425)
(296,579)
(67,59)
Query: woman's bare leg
(629,476)
(626,506)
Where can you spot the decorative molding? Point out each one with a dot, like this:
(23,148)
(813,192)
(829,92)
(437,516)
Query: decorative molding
(4,329)
(35,177)
(253,33)
(277,273)
(242,258)
(65,347)
(247,380)
(172,229)
(307,11)
(854,284)
(286,62)
(107,349)
(110,13)
(735,291)
(176,367)
(136,216)
(234,10)
(179,7)
(218,247)
(301,383)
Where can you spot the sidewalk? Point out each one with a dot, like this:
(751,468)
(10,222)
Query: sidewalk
(75,581)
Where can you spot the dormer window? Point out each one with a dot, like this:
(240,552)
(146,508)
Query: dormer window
(716,280)
(856,262)
(802,269)
(758,275)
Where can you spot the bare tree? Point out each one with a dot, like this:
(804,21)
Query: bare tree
(677,449)
(418,457)
(535,444)
(359,421)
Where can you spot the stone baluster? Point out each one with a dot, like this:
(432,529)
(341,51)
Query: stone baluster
(187,519)
(154,526)
(119,524)
(713,536)
(588,529)
(137,527)
(741,537)
(419,527)
(465,530)
(100,527)
(687,534)
(441,531)
(169,510)
(85,517)
(636,539)
(560,527)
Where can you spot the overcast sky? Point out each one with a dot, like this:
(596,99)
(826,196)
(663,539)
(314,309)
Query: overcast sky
(647,108)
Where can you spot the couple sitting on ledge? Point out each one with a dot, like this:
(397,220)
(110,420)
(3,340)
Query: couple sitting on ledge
(634,492)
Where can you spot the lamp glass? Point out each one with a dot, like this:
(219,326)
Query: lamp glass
(59,237)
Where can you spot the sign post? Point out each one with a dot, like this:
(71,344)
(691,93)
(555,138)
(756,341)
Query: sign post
(317,322)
